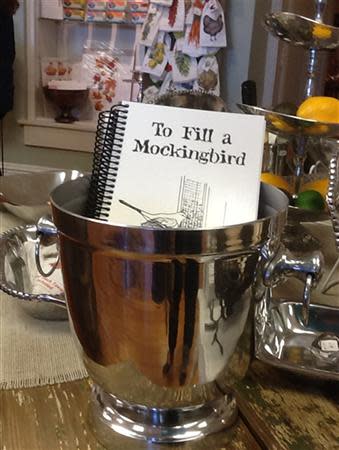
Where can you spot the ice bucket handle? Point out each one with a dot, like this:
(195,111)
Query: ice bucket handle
(308,269)
(46,230)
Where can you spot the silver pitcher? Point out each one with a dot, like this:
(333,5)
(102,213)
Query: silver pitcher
(164,317)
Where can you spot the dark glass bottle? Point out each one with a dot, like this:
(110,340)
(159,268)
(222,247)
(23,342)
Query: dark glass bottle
(332,79)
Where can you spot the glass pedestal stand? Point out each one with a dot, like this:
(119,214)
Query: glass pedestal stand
(311,34)
(299,132)
(315,36)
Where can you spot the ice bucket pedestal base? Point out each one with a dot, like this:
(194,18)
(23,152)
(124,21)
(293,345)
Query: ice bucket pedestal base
(109,415)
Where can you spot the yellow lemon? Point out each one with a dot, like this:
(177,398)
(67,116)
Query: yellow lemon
(276,180)
(324,109)
(320,186)
(321,31)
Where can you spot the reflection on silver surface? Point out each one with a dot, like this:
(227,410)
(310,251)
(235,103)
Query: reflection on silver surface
(286,124)
(302,31)
(26,195)
(163,317)
(309,269)
(46,230)
(19,277)
(300,215)
(283,332)
(172,425)
(282,339)
(331,281)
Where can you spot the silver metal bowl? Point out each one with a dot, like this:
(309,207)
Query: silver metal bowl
(284,341)
(19,277)
(27,195)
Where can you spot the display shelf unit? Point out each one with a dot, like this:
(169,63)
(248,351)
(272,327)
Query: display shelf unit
(314,36)
(66,39)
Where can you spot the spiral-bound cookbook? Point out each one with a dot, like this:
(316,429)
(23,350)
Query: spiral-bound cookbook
(172,167)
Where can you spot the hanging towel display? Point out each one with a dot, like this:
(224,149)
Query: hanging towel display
(181,39)
(212,25)
(208,75)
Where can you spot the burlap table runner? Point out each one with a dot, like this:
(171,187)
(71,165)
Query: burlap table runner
(33,352)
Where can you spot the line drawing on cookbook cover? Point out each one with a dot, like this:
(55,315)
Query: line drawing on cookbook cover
(157,219)
(193,202)
(192,208)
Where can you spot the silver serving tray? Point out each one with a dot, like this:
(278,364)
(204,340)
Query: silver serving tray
(19,275)
(302,31)
(286,124)
(282,339)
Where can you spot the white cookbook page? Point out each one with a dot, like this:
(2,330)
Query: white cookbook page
(188,168)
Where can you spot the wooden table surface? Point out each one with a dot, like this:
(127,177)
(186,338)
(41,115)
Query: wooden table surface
(278,411)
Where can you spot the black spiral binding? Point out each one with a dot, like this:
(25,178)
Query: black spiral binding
(107,151)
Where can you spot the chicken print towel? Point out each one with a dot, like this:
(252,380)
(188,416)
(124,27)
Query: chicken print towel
(212,25)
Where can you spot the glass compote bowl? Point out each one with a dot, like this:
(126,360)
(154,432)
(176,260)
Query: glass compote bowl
(299,132)
(302,31)
(66,97)
(313,35)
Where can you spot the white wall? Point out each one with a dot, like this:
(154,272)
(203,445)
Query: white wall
(239,15)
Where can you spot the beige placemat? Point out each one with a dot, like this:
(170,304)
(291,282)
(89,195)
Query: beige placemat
(33,352)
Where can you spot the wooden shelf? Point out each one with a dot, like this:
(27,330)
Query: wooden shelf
(127,24)
(43,132)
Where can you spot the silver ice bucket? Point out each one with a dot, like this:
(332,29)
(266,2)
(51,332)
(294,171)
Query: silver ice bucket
(164,318)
